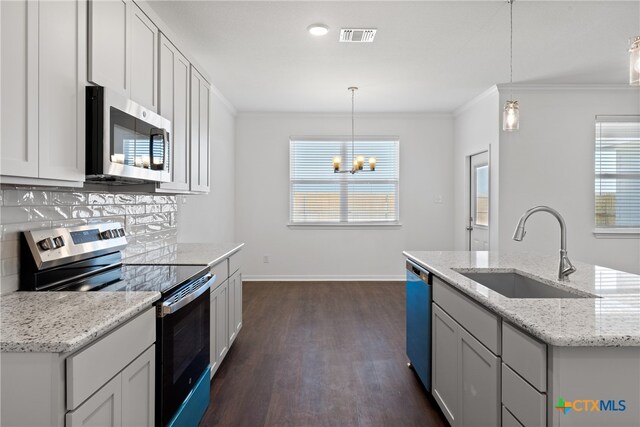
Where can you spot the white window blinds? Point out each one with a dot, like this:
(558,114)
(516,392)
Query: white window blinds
(320,196)
(617,173)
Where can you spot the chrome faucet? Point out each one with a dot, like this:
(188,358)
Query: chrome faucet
(566,268)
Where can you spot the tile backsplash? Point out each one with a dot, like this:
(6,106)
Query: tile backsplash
(149,219)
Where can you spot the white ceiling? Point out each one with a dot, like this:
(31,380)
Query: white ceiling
(428,56)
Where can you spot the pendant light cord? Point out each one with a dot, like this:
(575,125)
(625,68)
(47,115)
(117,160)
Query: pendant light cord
(353,100)
(511,48)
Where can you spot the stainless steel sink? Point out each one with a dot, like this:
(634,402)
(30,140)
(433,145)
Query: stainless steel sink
(514,285)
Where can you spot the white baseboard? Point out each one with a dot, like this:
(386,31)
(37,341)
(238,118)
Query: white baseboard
(322,278)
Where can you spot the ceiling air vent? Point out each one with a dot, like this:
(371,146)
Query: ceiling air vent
(357,35)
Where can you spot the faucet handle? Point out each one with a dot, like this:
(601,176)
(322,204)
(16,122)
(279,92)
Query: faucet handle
(566,268)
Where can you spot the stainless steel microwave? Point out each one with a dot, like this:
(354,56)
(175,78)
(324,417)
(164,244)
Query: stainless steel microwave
(126,143)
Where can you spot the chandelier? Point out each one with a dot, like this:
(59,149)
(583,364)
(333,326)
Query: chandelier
(358,160)
(634,61)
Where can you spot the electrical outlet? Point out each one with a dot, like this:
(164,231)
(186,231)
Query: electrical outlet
(437,198)
(265,259)
(184,200)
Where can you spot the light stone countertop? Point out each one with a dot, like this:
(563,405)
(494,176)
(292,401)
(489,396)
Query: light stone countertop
(612,319)
(62,322)
(187,254)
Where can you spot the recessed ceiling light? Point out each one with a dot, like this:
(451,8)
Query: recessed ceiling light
(318,29)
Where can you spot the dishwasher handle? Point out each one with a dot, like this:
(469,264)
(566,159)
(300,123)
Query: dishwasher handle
(422,273)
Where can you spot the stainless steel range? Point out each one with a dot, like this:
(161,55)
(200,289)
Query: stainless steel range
(88,258)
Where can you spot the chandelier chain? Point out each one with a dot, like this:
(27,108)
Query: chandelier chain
(511,47)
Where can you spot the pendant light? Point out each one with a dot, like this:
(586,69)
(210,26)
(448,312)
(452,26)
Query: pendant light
(357,160)
(634,61)
(511,113)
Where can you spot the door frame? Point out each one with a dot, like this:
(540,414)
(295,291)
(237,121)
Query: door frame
(468,203)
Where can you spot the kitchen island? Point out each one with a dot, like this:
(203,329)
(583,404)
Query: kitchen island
(533,361)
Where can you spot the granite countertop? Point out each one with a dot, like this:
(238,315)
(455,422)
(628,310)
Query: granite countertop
(610,319)
(62,322)
(187,254)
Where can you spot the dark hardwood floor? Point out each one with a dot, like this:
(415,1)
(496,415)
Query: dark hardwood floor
(320,354)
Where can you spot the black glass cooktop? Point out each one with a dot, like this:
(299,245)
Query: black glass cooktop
(140,278)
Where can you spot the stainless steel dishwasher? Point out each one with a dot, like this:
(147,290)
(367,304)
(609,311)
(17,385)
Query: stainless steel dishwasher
(418,308)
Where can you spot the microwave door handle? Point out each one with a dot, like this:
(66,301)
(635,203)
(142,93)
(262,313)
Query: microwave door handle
(165,141)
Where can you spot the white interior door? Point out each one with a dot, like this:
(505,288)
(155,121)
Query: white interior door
(479,202)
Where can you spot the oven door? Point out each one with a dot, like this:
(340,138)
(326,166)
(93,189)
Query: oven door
(183,351)
(127,142)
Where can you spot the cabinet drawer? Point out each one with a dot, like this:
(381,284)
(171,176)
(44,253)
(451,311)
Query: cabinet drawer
(221,272)
(525,355)
(235,262)
(522,400)
(95,365)
(482,324)
(508,420)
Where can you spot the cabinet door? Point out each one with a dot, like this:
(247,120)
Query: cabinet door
(478,383)
(103,409)
(222,321)
(235,300)
(444,365)
(213,347)
(174,105)
(138,390)
(61,70)
(144,60)
(109,44)
(200,109)
(231,314)
(19,88)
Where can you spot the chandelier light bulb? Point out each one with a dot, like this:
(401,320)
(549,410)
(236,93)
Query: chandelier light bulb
(372,163)
(336,163)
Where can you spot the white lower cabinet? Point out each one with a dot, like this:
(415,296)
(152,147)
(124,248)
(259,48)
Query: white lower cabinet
(103,409)
(466,374)
(235,306)
(138,390)
(219,339)
(226,310)
(128,399)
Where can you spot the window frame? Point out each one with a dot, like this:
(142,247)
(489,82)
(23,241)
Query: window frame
(345,224)
(609,232)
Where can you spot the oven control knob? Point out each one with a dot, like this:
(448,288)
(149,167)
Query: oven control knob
(58,241)
(46,244)
(106,234)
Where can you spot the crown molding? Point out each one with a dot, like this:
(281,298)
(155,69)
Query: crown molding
(464,107)
(522,87)
(377,115)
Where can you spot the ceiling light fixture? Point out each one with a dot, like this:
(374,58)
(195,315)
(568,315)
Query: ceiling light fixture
(358,161)
(318,29)
(634,61)
(511,114)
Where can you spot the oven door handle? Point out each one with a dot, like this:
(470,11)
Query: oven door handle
(170,308)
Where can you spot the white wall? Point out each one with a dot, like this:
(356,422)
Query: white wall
(211,217)
(262,198)
(550,161)
(476,128)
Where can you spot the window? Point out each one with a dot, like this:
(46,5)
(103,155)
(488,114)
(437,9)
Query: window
(318,196)
(481,201)
(617,173)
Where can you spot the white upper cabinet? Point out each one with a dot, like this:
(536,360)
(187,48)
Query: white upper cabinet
(61,69)
(109,47)
(144,60)
(43,69)
(19,100)
(200,131)
(174,105)
(123,49)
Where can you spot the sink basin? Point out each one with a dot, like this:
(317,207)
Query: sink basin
(514,285)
